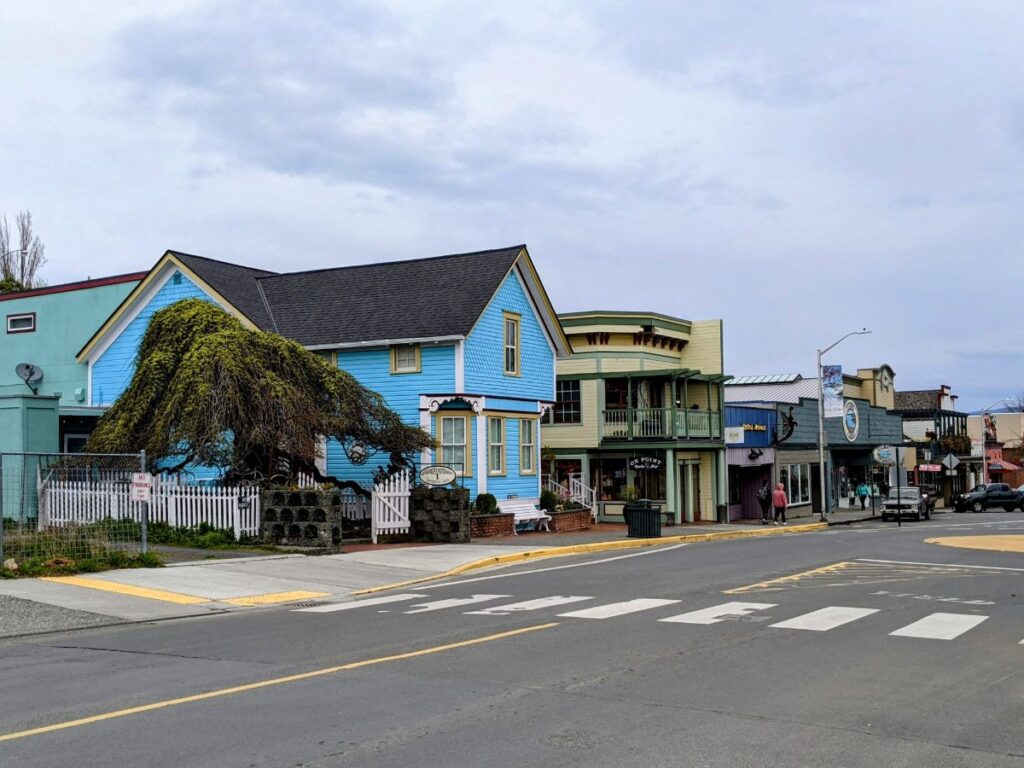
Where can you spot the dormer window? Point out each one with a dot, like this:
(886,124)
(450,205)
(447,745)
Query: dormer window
(24,323)
(405,358)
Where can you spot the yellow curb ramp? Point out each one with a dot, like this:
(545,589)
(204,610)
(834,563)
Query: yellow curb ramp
(993,543)
(597,546)
(127,589)
(272,598)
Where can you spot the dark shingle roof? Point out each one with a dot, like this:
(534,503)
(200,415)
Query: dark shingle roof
(235,283)
(918,400)
(420,298)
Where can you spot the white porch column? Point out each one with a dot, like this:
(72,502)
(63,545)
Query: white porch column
(425,426)
(481,453)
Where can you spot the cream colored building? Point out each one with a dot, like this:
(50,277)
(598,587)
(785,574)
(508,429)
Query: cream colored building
(1009,429)
(639,405)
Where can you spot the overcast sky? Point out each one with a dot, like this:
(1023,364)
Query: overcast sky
(797,169)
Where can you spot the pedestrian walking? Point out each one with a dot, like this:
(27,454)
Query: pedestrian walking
(780,501)
(764,498)
(862,493)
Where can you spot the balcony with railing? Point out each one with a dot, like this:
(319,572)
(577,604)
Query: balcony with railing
(660,424)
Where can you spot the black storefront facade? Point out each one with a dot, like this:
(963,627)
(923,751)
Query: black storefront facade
(850,442)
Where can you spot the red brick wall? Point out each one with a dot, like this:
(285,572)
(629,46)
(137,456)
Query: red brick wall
(575,520)
(481,526)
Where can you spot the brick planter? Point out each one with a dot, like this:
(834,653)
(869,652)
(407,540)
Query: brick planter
(482,526)
(571,520)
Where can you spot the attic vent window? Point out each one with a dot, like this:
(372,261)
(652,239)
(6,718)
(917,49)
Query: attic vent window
(25,323)
(177,278)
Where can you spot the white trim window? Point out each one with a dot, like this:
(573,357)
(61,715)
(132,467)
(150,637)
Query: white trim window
(21,323)
(495,445)
(796,479)
(453,443)
(527,447)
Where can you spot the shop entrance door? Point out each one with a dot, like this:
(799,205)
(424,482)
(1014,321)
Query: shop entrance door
(689,485)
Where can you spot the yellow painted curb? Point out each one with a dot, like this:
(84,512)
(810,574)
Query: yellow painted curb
(127,589)
(272,598)
(995,543)
(597,546)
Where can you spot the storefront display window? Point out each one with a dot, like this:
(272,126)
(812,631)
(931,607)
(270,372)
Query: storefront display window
(610,478)
(796,479)
(650,483)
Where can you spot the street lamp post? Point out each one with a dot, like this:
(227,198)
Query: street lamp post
(821,419)
(984,456)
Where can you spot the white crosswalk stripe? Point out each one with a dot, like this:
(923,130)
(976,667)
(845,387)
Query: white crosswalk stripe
(529,605)
(453,602)
(718,613)
(825,619)
(332,607)
(940,626)
(618,609)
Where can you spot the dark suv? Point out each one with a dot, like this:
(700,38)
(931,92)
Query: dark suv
(993,495)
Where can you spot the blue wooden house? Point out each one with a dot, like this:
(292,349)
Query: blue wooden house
(462,345)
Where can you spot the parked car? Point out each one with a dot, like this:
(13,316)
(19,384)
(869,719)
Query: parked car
(991,496)
(907,502)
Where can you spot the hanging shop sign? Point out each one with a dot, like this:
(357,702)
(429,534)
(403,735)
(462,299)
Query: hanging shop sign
(436,475)
(884,455)
(646,462)
(851,421)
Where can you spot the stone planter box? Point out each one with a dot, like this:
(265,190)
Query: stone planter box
(570,520)
(482,526)
(304,518)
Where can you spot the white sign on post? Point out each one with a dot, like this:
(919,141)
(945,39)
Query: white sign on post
(142,486)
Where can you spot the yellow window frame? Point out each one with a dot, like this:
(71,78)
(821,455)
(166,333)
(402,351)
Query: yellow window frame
(467,418)
(506,318)
(491,445)
(394,359)
(534,427)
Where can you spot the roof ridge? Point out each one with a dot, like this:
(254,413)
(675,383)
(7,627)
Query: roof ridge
(516,248)
(266,272)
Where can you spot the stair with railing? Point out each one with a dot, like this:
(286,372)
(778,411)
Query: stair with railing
(574,490)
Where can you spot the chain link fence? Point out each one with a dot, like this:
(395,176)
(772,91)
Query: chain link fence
(73,507)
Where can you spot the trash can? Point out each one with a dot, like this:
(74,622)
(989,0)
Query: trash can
(643,520)
(723,513)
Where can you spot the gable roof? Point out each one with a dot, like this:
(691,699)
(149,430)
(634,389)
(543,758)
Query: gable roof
(434,297)
(235,283)
(440,297)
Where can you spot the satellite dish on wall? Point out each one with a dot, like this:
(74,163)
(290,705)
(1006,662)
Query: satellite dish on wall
(30,374)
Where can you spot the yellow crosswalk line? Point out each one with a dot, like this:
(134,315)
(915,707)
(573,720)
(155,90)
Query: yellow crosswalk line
(271,598)
(127,589)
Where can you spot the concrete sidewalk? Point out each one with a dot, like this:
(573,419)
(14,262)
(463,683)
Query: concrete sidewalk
(215,586)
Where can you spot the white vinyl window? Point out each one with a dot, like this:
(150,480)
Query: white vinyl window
(796,479)
(25,323)
(511,345)
(527,446)
(496,445)
(453,442)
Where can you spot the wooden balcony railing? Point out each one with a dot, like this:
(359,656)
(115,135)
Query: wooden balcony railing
(660,423)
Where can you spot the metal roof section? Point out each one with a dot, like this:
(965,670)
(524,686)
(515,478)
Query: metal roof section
(773,378)
(792,390)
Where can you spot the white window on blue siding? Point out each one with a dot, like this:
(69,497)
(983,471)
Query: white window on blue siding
(496,445)
(453,442)
(405,358)
(527,446)
(512,345)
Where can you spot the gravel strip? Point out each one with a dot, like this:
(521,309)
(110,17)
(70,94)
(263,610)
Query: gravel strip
(23,617)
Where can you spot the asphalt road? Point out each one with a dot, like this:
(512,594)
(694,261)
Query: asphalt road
(612,685)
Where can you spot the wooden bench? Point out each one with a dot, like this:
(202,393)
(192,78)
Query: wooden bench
(526,512)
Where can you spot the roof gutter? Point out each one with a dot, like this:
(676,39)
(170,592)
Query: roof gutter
(383,342)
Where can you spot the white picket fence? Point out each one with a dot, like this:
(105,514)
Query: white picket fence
(391,506)
(63,502)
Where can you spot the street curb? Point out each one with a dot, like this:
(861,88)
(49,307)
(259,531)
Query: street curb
(597,546)
(856,520)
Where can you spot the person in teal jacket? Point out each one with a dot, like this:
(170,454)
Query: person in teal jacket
(862,493)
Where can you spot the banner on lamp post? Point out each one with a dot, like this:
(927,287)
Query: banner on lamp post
(832,389)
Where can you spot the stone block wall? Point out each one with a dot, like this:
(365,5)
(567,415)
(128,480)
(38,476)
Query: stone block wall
(439,514)
(305,518)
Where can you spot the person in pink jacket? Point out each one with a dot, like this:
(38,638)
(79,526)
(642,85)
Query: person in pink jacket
(780,501)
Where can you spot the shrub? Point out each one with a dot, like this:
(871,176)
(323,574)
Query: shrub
(486,504)
(548,500)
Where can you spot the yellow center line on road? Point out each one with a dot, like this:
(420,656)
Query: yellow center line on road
(275,597)
(268,683)
(835,567)
(127,589)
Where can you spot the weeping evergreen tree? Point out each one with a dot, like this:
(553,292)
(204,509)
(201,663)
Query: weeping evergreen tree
(208,391)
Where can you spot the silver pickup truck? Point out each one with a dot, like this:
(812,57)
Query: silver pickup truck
(907,502)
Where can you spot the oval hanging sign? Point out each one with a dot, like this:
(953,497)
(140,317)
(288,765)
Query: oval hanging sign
(645,462)
(884,455)
(851,421)
(437,475)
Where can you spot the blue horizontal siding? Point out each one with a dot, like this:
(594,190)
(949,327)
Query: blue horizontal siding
(113,371)
(512,483)
(485,349)
(502,404)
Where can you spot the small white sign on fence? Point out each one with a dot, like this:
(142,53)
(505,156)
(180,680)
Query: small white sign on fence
(142,486)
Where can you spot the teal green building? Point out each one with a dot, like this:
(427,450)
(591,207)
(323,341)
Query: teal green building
(44,329)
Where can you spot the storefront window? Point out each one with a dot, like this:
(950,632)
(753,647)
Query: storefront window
(610,478)
(650,483)
(796,479)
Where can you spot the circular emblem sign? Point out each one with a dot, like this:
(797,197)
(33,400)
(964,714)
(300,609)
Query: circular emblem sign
(436,475)
(851,420)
